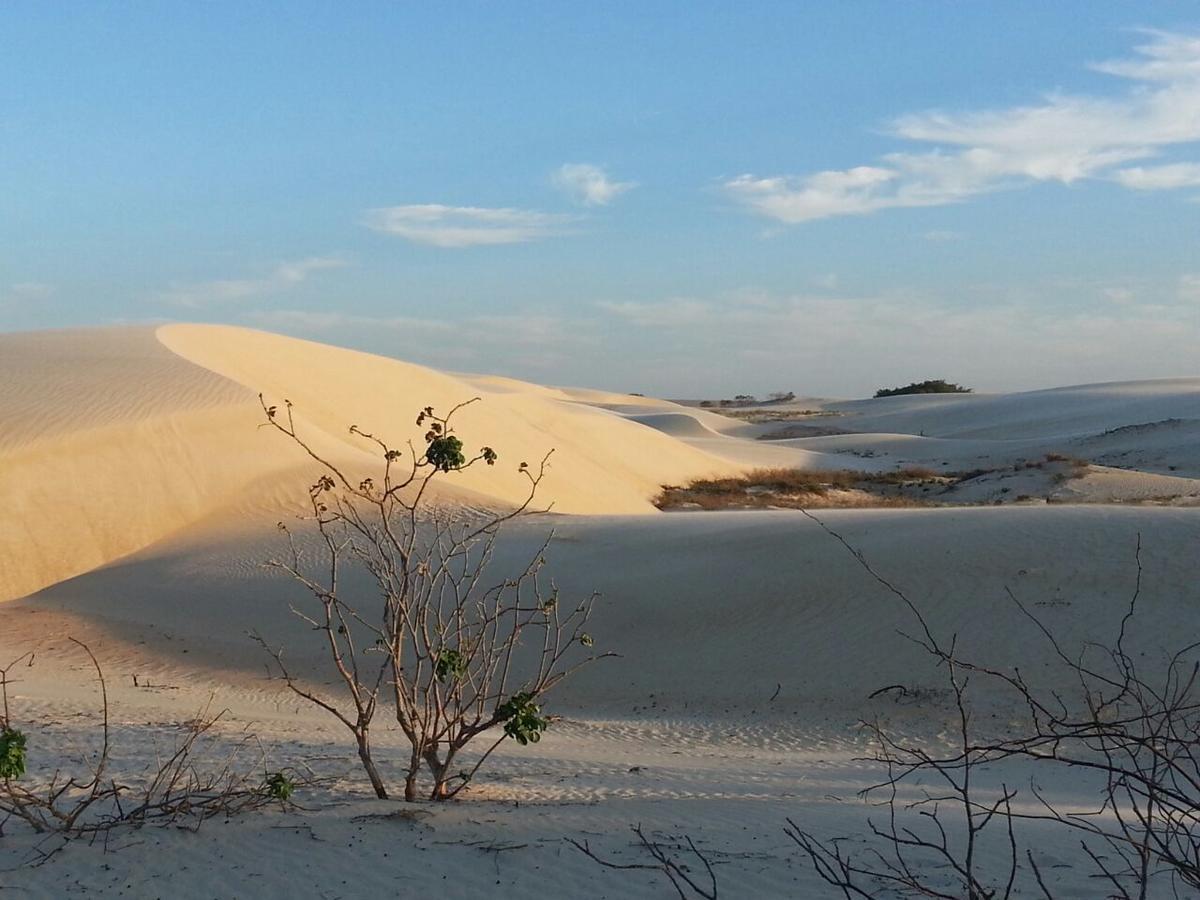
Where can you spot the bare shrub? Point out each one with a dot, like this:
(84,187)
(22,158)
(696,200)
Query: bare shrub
(664,858)
(192,783)
(1140,733)
(450,652)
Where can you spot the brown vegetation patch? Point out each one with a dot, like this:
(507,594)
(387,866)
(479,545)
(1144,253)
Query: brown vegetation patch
(797,488)
(758,415)
(790,432)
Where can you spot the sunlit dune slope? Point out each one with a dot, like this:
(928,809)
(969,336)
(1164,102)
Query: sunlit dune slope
(111,439)
(601,463)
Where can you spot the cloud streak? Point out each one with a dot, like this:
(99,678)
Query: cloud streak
(25,293)
(228,290)
(1064,139)
(437,225)
(538,340)
(589,185)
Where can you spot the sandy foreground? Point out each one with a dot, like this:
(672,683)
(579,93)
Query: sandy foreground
(142,499)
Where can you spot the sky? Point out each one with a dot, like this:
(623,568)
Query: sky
(682,199)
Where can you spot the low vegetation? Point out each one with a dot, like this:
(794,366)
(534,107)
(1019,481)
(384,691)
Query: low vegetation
(196,778)
(743,400)
(759,414)
(784,488)
(934,386)
(797,488)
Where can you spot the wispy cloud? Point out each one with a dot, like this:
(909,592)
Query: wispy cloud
(589,185)
(322,320)
(665,313)
(1063,139)
(464,226)
(24,293)
(1160,178)
(226,290)
(536,335)
(1119,294)
(1189,288)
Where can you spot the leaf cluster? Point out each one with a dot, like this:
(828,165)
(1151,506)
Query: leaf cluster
(523,719)
(12,754)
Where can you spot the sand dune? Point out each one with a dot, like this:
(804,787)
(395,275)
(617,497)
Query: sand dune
(114,439)
(1056,412)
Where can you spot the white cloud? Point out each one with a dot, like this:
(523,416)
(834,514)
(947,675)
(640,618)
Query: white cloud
(1063,139)
(588,184)
(1189,288)
(675,311)
(25,293)
(321,320)
(1159,178)
(31,289)
(536,340)
(464,226)
(226,290)
(1119,294)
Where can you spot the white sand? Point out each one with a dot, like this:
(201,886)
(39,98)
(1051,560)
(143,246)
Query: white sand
(143,498)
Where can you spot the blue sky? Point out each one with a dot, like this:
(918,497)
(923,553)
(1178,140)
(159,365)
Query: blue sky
(683,199)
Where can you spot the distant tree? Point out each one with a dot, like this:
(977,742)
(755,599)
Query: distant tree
(782,396)
(707,403)
(936,386)
(745,399)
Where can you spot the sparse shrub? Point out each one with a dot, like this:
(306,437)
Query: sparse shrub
(935,386)
(443,653)
(181,789)
(1131,722)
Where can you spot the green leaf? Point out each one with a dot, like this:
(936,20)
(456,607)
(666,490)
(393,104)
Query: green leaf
(12,754)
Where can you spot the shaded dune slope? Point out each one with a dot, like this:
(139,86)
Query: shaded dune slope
(714,614)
